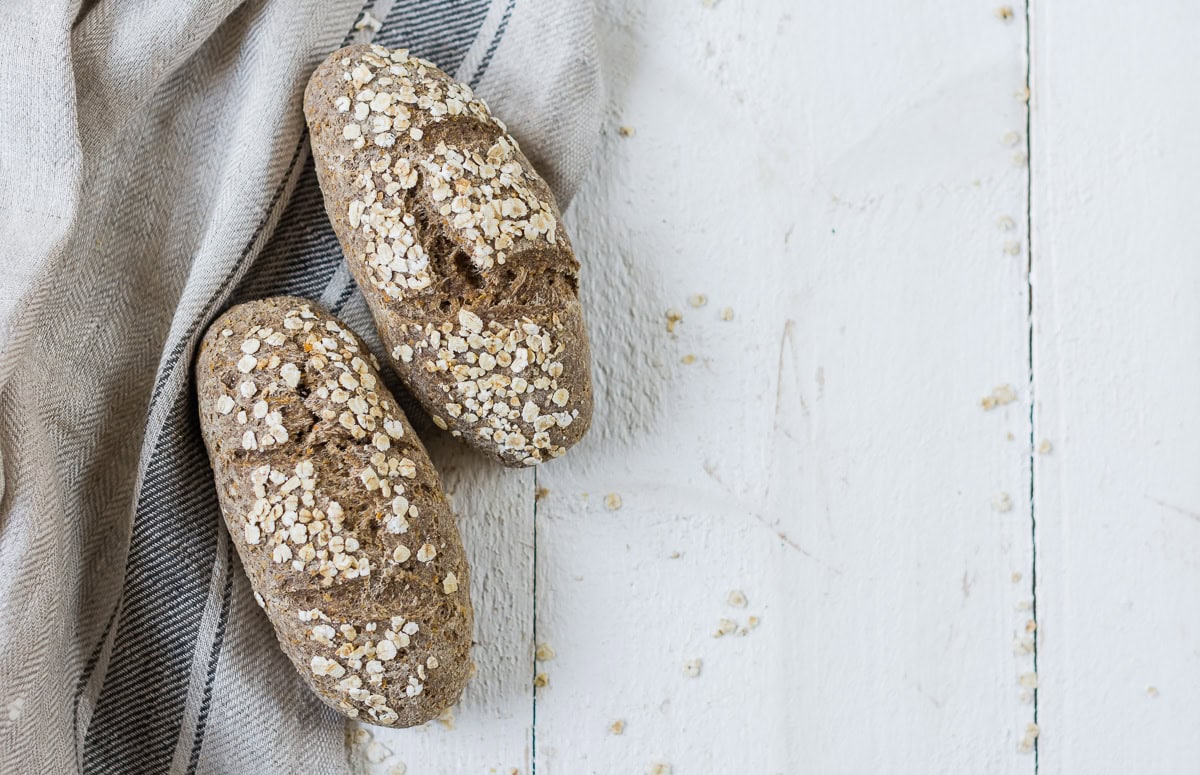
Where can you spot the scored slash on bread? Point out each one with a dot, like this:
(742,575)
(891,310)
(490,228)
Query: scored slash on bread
(458,246)
(336,512)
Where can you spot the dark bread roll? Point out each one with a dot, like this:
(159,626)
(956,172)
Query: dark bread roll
(459,248)
(336,512)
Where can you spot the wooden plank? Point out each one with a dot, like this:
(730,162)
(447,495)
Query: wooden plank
(1117,341)
(835,174)
(490,730)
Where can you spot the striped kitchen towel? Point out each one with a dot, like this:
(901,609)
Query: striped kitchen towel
(154,169)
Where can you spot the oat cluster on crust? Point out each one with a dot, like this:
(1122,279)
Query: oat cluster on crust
(489,201)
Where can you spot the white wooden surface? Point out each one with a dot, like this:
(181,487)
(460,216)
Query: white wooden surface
(852,181)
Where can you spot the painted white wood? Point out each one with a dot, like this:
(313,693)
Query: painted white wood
(835,173)
(490,730)
(848,179)
(1117,369)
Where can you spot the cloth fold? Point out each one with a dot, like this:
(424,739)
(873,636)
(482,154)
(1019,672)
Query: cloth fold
(154,169)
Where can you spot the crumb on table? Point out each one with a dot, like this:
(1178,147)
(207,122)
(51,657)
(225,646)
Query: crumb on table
(541,680)
(736,598)
(617,727)
(1031,735)
(691,667)
(1000,395)
(626,131)
(544,652)
(697,300)
(612,501)
(674,318)
(376,752)
(725,627)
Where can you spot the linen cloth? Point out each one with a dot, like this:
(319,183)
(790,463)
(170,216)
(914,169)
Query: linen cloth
(154,169)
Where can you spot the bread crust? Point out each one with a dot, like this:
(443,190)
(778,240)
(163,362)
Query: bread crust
(336,512)
(459,248)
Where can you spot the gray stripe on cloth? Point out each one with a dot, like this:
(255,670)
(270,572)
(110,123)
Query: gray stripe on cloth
(340,286)
(218,643)
(141,706)
(436,30)
(493,42)
(90,681)
(208,639)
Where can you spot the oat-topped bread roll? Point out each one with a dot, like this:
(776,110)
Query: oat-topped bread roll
(459,248)
(336,512)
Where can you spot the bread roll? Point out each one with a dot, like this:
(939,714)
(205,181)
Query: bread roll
(336,512)
(459,248)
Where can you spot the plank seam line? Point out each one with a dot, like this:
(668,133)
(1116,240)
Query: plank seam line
(533,676)
(1033,580)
